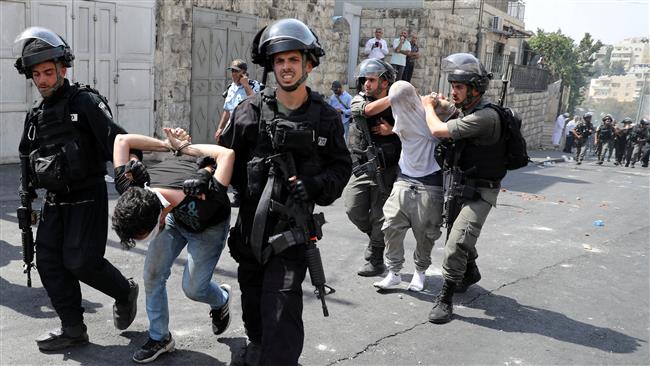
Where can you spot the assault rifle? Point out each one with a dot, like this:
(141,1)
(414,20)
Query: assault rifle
(375,162)
(26,218)
(455,190)
(305,227)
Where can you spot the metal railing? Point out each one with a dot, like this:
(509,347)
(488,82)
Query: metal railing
(529,78)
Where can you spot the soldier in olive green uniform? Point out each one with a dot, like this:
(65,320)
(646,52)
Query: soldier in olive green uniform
(483,158)
(581,133)
(605,139)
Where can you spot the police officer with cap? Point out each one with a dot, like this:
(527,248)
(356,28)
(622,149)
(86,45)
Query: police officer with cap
(482,158)
(67,139)
(291,120)
(367,191)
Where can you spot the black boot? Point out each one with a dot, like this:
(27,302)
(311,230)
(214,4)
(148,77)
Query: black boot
(472,276)
(124,311)
(63,338)
(374,265)
(443,304)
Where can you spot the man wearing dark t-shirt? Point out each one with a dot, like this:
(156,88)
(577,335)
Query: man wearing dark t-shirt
(181,206)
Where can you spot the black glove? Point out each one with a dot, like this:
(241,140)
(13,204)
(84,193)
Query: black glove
(138,172)
(204,161)
(200,183)
(300,191)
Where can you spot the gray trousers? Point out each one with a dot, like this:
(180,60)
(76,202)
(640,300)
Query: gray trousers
(414,206)
(364,204)
(461,243)
(605,148)
(581,149)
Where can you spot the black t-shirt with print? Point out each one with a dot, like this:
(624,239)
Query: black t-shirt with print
(192,213)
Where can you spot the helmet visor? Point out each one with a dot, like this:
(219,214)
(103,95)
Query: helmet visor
(288,29)
(40,33)
(369,67)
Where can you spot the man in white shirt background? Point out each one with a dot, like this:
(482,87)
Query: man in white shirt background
(401,48)
(377,47)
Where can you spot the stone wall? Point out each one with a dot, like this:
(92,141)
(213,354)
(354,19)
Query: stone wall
(531,107)
(174,42)
(438,36)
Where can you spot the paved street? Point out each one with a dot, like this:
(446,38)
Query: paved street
(556,290)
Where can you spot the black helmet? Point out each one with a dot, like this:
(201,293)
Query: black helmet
(285,35)
(465,68)
(587,116)
(644,122)
(39,45)
(626,120)
(374,67)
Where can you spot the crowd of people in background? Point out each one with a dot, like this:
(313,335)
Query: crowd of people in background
(626,141)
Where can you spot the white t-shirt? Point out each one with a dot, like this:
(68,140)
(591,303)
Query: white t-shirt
(400,58)
(418,144)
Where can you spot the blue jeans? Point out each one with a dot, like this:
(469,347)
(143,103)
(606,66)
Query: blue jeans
(203,252)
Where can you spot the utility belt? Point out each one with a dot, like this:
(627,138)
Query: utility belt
(59,168)
(69,196)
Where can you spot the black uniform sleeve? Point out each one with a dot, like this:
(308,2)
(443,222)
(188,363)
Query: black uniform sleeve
(326,187)
(100,123)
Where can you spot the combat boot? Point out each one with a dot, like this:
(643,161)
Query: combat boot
(472,276)
(124,311)
(374,265)
(443,304)
(63,338)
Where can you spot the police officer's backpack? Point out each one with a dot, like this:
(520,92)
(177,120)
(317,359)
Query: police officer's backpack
(516,153)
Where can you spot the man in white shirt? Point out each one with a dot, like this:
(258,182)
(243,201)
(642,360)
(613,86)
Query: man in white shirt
(376,47)
(401,48)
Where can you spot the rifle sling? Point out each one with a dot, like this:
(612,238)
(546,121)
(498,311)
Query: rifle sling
(259,221)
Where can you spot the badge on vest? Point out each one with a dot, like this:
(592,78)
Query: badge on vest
(104,109)
(322,141)
(74,117)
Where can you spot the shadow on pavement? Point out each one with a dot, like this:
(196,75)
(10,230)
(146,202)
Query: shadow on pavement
(530,182)
(507,315)
(94,354)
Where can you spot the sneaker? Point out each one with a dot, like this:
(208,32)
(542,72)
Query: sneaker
(152,349)
(417,282)
(124,312)
(392,279)
(221,317)
(63,338)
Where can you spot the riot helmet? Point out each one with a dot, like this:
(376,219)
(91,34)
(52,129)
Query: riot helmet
(644,122)
(626,120)
(466,69)
(374,67)
(608,117)
(36,45)
(587,116)
(285,35)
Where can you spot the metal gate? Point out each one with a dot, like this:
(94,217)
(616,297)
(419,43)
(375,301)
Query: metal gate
(217,38)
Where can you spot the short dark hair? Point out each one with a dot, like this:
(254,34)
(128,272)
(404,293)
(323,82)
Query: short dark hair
(136,214)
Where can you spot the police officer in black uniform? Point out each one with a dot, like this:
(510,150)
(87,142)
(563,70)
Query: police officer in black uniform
(364,197)
(292,121)
(68,138)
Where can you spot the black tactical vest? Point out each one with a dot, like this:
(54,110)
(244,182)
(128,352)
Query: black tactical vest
(606,133)
(484,161)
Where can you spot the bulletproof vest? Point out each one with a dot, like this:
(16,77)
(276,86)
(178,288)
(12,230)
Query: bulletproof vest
(606,133)
(56,158)
(484,161)
(297,133)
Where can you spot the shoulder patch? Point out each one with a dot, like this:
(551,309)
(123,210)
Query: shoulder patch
(104,109)
(322,141)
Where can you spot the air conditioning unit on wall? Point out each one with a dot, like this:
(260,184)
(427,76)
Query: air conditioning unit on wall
(497,23)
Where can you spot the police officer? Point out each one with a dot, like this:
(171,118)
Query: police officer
(620,139)
(68,137)
(638,138)
(483,158)
(292,121)
(605,139)
(364,198)
(581,133)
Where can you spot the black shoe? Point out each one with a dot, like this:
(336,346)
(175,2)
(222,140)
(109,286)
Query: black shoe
(370,270)
(472,276)
(627,165)
(152,349)
(124,311)
(600,163)
(63,338)
(616,163)
(221,317)
(443,308)
(644,165)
